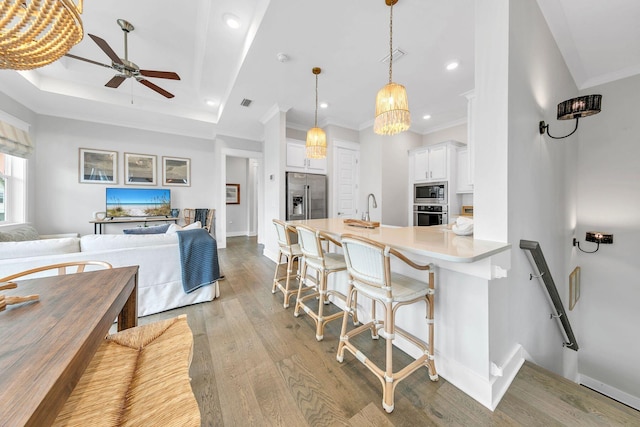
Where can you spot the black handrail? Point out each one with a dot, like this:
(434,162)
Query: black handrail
(545,274)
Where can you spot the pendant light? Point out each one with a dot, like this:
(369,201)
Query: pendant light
(392,105)
(316,138)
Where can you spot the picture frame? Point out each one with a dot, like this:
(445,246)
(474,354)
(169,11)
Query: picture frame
(176,171)
(97,166)
(574,287)
(233,194)
(140,169)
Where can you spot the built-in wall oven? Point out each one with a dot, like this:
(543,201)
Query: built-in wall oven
(430,192)
(425,215)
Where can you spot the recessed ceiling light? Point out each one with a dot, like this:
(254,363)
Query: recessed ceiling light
(231,20)
(426,117)
(452,65)
(211,103)
(324,105)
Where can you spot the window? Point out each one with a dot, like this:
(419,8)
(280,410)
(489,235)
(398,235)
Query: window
(12,189)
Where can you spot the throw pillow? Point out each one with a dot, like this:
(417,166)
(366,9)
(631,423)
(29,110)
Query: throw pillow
(156,229)
(20,234)
(173,228)
(192,226)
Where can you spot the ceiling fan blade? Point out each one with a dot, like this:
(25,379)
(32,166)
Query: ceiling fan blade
(116,81)
(160,74)
(158,89)
(87,60)
(106,49)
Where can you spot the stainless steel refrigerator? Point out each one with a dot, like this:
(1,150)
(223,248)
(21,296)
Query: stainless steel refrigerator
(306,196)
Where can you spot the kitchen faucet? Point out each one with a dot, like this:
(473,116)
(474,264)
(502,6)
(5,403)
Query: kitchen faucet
(365,215)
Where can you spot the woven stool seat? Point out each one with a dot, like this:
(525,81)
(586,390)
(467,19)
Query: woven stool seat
(138,377)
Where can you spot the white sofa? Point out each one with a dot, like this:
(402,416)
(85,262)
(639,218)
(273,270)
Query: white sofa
(157,255)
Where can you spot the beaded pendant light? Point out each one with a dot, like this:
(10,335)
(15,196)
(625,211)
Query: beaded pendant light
(316,138)
(36,33)
(392,105)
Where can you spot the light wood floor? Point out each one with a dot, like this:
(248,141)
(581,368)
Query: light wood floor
(255,364)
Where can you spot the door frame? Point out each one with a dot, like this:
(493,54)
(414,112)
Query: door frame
(221,229)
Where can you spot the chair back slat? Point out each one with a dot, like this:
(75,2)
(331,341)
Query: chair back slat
(309,242)
(365,261)
(282,233)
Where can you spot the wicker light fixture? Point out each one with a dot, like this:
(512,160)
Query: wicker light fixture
(392,105)
(316,138)
(34,33)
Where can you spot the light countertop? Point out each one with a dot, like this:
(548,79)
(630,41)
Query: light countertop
(437,242)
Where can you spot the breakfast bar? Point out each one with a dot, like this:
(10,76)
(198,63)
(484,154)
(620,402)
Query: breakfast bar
(466,271)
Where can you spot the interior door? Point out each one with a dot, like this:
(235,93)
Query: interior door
(346,185)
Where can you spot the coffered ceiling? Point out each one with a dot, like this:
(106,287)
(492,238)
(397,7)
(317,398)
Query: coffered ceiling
(347,39)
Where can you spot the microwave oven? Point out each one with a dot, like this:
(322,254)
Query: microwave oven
(430,192)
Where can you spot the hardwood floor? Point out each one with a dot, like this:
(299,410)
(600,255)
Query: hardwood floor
(255,364)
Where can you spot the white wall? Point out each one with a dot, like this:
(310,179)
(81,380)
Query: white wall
(542,186)
(608,180)
(274,178)
(454,133)
(237,221)
(65,205)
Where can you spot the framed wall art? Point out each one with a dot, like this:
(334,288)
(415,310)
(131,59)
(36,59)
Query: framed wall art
(176,171)
(98,166)
(139,169)
(233,194)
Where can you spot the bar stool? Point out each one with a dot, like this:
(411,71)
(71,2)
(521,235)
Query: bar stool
(324,263)
(292,252)
(369,266)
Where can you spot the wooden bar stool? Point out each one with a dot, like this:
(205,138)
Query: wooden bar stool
(291,251)
(324,263)
(369,266)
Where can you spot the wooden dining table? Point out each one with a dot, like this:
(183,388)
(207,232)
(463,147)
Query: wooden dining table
(46,345)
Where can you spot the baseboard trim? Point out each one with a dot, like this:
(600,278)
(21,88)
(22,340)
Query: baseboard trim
(612,392)
(237,233)
(271,254)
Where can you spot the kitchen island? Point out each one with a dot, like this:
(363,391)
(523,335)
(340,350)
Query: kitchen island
(465,270)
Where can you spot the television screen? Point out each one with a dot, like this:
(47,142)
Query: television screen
(137,202)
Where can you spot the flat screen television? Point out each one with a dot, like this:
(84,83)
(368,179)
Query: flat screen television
(138,202)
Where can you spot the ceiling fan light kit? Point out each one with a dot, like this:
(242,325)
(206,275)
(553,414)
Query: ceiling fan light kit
(36,33)
(392,103)
(125,68)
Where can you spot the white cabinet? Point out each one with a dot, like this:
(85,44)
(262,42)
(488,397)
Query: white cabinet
(430,163)
(297,161)
(464,184)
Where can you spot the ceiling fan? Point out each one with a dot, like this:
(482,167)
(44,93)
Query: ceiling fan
(126,68)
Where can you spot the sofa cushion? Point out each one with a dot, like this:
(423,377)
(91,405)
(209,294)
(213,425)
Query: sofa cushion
(156,229)
(102,242)
(20,234)
(32,248)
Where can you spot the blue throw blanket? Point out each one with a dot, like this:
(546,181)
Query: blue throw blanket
(199,259)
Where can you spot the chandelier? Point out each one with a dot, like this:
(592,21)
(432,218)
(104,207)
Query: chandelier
(392,105)
(34,33)
(316,138)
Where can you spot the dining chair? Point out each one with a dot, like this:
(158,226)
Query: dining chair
(60,267)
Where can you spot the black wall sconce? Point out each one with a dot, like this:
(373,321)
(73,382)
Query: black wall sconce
(575,108)
(596,237)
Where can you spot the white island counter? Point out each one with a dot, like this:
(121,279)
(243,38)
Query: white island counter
(465,270)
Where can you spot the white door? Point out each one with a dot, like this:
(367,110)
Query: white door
(346,180)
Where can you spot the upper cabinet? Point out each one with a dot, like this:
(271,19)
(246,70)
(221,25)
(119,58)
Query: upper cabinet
(430,163)
(298,162)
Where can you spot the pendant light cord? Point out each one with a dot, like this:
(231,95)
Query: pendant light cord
(390,43)
(316,117)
